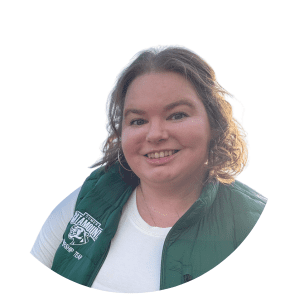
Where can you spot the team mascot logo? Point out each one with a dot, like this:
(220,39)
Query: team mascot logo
(78,235)
(84,228)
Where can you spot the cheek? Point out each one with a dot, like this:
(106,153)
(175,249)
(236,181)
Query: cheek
(131,139)
(195,133)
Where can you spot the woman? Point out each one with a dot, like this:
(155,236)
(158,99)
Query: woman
(164,207)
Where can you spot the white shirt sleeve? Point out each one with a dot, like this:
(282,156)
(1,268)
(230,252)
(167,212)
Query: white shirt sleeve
(51,234)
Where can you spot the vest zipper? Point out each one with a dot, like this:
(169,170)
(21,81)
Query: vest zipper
(97,269)
(162,269)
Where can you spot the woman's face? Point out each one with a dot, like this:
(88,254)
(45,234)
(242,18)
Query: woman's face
(165,130)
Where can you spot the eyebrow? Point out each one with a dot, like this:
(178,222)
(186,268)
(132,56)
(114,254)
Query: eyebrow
(178,103)
(166,108)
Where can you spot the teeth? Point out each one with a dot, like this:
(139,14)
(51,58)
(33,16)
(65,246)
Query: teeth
(160,154)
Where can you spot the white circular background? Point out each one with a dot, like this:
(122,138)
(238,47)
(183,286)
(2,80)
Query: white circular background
(59,61)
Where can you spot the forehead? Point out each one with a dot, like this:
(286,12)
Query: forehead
(165,87)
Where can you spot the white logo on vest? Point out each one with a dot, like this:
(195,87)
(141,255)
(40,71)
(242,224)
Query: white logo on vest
(84,227)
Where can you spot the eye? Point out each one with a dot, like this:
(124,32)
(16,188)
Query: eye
(137,122)
(178,116)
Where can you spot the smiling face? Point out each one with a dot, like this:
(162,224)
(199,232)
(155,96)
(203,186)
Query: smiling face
(165,130)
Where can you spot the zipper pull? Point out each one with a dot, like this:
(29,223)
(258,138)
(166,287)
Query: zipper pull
(187,277)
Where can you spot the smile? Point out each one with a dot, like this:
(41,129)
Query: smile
(161,154)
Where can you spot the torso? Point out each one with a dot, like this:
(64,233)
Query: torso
(133,263)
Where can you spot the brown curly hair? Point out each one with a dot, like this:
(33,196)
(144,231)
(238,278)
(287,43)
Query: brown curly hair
(227,150)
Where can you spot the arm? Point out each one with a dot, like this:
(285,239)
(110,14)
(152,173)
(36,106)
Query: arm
(53,229)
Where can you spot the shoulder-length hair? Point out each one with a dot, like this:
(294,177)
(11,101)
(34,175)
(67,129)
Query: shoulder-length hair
(227,150)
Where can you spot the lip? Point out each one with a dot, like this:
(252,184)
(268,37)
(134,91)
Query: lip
(161,160)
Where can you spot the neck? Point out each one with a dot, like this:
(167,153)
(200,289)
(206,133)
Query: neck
(171,198)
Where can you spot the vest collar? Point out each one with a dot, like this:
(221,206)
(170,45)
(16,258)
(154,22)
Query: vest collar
(200,208)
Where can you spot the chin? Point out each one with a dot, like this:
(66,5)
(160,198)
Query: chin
(160,176)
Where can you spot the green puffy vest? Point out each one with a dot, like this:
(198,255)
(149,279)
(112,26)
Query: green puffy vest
(213,227)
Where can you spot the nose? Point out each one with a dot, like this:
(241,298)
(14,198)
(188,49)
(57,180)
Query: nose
(156,133)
